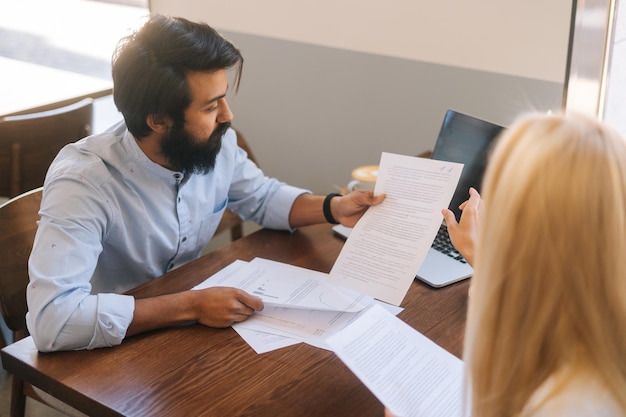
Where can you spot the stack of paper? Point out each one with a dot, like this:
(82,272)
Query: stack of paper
(300,304)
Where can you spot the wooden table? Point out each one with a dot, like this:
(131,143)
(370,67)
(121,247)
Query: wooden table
(29,88)
(194,370)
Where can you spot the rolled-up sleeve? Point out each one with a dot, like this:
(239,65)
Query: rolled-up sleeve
(98,320)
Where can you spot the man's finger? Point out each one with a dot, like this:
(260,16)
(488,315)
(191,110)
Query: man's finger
(239,318)
(244,309)
(255,303)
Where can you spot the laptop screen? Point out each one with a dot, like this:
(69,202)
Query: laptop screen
(467,140)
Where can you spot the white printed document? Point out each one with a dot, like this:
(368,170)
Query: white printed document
(300,306)
(262,342)
(284,285)
(410,374)
(387,246)
(310,326)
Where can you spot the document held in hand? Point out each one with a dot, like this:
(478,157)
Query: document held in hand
(387,246)
(410,374)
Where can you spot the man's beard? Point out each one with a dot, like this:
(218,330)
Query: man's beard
(187,154)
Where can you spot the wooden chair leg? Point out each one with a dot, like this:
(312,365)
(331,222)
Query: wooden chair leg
(18,400)
(236,232)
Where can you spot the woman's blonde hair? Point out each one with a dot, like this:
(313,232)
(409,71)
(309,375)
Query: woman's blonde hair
(549,289)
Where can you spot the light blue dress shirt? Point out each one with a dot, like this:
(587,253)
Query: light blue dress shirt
(112,219)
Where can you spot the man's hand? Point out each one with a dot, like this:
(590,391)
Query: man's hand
(214,307)
(223,306)
(464,234)
(349,208)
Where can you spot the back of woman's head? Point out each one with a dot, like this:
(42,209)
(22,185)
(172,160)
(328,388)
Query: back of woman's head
(150,67)
(549,290)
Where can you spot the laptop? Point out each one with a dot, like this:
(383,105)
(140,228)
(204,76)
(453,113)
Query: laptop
(468,140)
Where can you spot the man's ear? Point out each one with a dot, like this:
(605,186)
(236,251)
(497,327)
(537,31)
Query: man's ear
(158,123)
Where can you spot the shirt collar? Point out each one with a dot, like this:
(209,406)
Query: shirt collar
(137,156)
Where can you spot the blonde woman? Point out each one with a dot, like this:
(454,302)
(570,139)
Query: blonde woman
(546,329)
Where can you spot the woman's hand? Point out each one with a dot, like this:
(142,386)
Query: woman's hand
(464,234)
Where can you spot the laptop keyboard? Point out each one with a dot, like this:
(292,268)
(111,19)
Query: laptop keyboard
(443,244)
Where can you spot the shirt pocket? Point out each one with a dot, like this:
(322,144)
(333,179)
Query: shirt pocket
(209,224)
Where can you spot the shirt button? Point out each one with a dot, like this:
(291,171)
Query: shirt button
(185,238)
(179,199)
(177,176)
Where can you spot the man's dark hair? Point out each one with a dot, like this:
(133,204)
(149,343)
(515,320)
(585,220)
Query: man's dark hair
(149,68)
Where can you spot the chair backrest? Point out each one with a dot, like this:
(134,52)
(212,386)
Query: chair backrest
(18,224)
(29,143)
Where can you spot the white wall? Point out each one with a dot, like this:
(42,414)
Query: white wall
(330,84)
(524,38)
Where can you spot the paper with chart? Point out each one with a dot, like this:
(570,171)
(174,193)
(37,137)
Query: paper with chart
(406,371)
(283,285)
(280,325)
(387,246)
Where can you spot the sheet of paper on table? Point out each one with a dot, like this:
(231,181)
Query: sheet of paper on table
(312,328)
(262,342)
(293,322)
(406,371)
(283,285)
(387,246)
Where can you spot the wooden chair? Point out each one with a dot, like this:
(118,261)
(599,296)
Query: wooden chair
(230,220)
(29,143)
(18,223)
